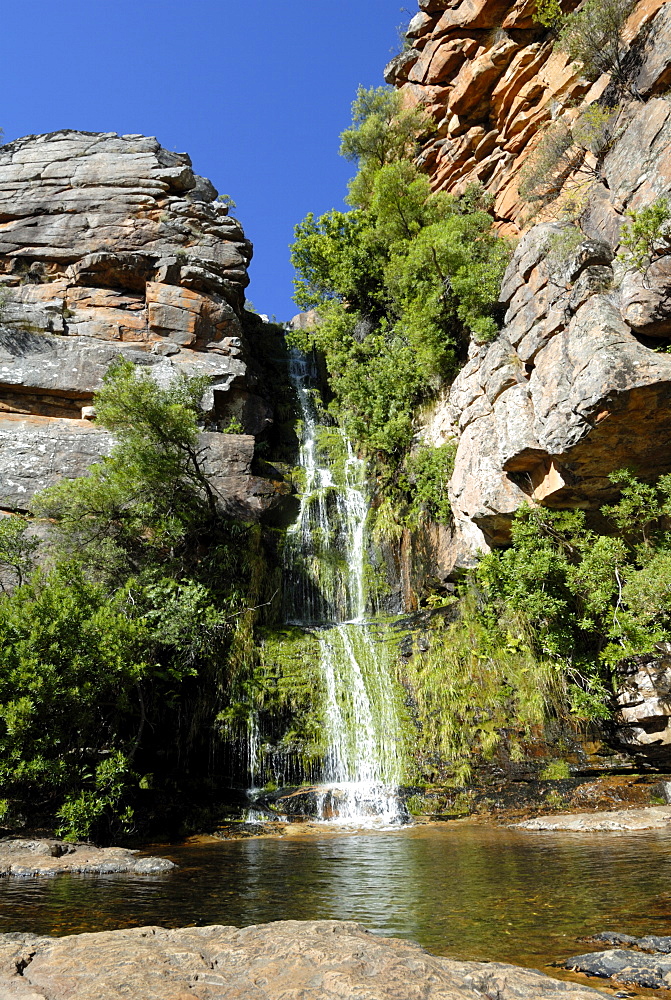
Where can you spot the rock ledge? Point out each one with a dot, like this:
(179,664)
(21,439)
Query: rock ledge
(51,857)
(322,960)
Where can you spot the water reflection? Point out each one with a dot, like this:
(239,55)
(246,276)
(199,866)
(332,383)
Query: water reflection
(466,892)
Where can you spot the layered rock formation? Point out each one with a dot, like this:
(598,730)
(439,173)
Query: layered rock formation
(578,382)
(490,77)
(322,959)
(112,246)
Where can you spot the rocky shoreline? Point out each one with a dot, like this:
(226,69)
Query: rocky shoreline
(52,857)
(322,959)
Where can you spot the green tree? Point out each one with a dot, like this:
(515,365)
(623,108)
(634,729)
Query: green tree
(119,660)
(645,238)
(400,283)
(383,131)
(151,498)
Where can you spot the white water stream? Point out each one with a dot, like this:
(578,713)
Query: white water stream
(325,590)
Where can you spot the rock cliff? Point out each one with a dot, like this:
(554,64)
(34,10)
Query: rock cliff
(578,382)
(112,246)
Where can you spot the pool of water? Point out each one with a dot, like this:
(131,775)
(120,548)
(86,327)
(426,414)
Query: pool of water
(462,891)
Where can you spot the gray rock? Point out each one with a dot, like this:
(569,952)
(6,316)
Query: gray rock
(325,960)
(37,452)
(46,858)
(112,246)
(627,967)
(643,715)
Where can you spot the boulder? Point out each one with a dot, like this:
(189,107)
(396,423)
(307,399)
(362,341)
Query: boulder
(643,700)
(53,857)
(626,967)
(323,959)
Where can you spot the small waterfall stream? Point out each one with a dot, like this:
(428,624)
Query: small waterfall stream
(325,591)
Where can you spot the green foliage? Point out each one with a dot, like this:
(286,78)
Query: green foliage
(382,132)
(17,551)
(592,36)
(544,623)
(400,282)
(225,199)
(233,427)
(151,497)
(430,470)
(476,680)
(556,770)
(645,238)
(548,13)
(116,663)
(71,662)
(562,150)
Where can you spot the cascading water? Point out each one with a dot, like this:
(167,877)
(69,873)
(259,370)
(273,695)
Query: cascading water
(325,591)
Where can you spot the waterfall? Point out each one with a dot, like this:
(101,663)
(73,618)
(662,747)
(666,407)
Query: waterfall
(325,591)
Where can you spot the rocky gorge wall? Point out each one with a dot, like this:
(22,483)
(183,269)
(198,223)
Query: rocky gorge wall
(111,246)
(577,383)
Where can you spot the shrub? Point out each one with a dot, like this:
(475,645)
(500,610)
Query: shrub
(430,470)
(592,36)
(646,237)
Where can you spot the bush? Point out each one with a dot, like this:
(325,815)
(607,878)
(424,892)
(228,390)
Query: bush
(592,36)
(561,152)
(646,237)
(430,470)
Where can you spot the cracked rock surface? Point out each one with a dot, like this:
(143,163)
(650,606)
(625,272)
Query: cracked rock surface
(111,246)
(287,960)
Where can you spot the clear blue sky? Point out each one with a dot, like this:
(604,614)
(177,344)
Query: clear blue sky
(256,91)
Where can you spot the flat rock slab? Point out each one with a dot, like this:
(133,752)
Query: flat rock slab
(51,857)
(647,818)
(288,960)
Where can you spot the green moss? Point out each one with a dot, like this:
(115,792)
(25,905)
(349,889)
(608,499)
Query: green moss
(556,770)
(471,685)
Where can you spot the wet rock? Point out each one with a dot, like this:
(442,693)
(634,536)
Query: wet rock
(51,857)
(648,818)
(325,959)
(627,967)
(650,943)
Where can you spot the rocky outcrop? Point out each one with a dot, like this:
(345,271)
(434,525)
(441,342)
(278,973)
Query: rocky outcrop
(618,820)
(643,714)
(112,246)
(323,959)
(648,966)
(489,76)
(578,382)
(53,857)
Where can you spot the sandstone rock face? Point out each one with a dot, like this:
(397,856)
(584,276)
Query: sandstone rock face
(578,382)
(489,76)
(643,718)
(111,246)
(325,959)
